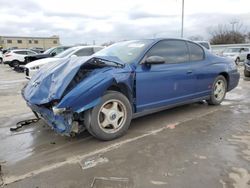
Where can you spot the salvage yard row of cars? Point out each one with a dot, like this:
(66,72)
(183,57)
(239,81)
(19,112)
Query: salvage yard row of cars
(102,89)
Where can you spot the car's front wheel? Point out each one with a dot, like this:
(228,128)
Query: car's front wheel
(218,91)
(111,118)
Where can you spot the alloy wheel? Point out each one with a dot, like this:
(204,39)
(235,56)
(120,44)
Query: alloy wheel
(112,116)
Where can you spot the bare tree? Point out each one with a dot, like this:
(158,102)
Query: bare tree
(224,35)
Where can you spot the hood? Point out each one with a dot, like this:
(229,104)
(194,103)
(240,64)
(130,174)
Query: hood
(51,80)
(40,62)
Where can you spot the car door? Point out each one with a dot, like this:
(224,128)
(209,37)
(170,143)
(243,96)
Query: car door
(165,84)
(201,69)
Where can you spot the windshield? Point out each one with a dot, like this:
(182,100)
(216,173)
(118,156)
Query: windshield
(232,50)
(127,51)
(48,51)
(66,53)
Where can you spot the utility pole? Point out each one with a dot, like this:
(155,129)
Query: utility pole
(182,19)
(233,23)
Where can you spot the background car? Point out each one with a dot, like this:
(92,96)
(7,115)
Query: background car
(205,44)
(48,53)
(104,92)
(15,58)
(247,66)
(77,51)
(1,56)
(237,54)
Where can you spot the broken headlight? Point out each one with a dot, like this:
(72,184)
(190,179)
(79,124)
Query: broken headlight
(58,111)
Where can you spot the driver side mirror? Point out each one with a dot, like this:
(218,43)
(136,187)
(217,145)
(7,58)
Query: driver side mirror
(155,60)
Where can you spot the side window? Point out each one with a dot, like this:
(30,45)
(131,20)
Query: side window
(21,52)
(173,51)
(195,51)
(85,52)
(246,49)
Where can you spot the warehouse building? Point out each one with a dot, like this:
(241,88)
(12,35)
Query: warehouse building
(29,42)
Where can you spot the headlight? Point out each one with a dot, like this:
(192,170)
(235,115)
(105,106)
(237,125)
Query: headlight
(58,111)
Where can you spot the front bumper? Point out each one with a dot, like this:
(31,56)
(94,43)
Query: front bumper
(62,124)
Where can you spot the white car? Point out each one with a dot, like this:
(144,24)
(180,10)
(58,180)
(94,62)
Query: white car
(238,54)
(15,58)
(77,51)
(1,56)
(205,44)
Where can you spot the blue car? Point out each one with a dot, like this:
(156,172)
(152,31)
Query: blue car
(104,92)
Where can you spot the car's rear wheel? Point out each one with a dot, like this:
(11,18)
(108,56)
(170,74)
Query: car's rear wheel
(111,118)
(15,64)
(218,91)
(246,73)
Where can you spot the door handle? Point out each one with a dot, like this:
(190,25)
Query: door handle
(189,72)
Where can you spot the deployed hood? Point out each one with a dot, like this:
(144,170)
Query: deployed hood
(40,62)
(51,81)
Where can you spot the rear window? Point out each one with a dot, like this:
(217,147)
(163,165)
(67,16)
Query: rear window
(195,51)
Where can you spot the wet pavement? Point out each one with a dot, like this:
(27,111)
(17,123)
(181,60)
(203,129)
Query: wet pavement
(192,146)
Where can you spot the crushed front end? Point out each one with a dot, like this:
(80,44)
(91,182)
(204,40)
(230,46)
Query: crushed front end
(61,93)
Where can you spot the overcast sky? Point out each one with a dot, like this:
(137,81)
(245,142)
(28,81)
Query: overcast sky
(80,21)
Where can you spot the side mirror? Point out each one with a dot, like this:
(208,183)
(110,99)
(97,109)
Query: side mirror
(53,54)
(155,60)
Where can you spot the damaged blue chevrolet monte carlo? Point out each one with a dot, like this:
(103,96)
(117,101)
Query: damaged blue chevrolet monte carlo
(104,92)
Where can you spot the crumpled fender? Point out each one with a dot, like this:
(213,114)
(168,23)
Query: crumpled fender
(88,93)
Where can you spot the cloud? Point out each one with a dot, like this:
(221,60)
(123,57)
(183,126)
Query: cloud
(80,21)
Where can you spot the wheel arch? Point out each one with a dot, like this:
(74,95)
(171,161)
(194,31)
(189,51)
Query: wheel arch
(123,88)
(226,76)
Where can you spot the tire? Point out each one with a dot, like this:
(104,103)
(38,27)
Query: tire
(14,64)
(218,94)
(1,60)
(246,73)
(111,118)
(237,61)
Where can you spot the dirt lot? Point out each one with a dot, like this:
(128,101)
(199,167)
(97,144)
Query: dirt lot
(190,146)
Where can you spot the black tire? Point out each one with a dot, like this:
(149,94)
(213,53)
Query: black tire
(92,117)
(1,60)
(15,64)
(216,100)
(246,73)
